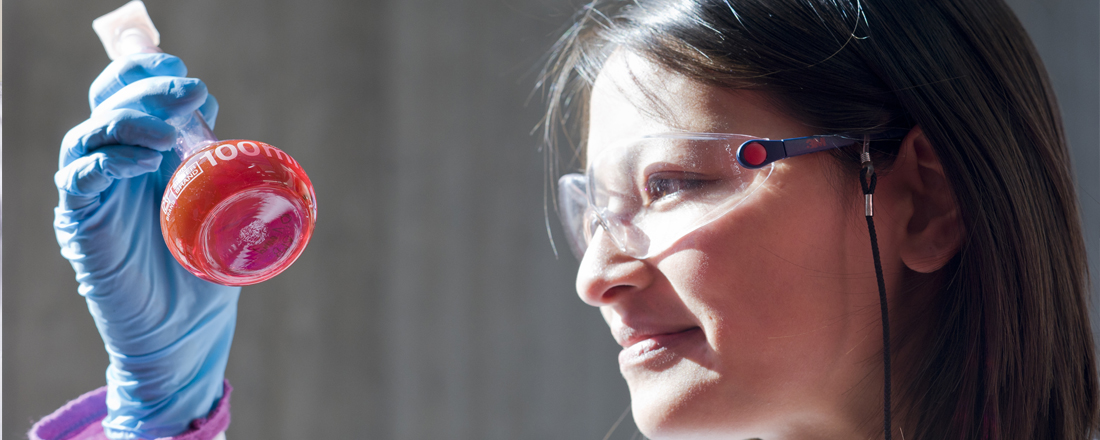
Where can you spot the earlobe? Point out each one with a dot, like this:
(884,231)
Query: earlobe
(933,232)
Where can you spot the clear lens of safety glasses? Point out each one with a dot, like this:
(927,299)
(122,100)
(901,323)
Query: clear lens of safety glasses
(651,192)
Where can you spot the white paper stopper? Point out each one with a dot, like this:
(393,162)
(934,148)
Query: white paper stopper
(127,30)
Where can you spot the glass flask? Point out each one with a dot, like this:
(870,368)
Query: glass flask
(235,212)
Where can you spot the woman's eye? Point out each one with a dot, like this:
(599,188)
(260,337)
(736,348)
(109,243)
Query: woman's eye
(664,185)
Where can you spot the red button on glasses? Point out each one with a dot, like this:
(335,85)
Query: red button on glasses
(753,153)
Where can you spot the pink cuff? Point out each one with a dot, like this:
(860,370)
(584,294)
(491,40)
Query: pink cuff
(81,419)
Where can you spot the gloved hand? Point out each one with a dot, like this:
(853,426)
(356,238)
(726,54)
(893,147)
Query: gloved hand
(167,332)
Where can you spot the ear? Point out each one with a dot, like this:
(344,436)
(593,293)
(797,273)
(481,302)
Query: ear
(933,232)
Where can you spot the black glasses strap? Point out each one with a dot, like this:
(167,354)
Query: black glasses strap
(868,179)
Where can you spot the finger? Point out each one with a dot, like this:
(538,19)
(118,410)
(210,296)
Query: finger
(85,178)
(116,127)
(127,70)
(209,110)
(161,96)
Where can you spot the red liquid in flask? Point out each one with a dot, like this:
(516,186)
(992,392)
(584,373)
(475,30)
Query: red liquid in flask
(238,212)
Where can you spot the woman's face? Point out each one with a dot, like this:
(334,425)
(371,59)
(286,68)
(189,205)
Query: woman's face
(764,323)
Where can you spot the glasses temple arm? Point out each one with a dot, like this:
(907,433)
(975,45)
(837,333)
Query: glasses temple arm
(784,148)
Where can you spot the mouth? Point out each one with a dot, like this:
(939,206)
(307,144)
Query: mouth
(655,349)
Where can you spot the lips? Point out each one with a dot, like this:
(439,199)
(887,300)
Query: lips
(628,336)
(653,347)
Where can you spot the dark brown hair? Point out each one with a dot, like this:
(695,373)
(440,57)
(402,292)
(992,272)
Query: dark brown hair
(1008,353)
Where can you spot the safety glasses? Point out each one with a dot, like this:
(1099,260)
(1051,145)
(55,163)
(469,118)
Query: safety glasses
(650,192)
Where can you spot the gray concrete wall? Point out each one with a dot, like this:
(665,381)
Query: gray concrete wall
(429,303)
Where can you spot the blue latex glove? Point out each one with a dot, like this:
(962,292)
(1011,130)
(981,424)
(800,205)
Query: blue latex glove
(167,332)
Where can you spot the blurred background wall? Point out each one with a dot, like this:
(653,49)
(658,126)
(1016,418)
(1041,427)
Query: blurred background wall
(429,303)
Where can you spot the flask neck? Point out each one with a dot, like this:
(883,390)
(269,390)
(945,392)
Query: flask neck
(192,134)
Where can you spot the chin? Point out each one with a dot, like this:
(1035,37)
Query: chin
(671,429)
(668,428)
(690,403)
(682,403)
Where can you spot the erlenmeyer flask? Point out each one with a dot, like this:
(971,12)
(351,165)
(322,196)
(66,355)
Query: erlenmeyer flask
(235,212)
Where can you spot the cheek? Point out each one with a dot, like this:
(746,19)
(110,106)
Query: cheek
(772,284)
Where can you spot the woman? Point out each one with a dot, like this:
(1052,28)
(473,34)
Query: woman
(744,298)
(742,284)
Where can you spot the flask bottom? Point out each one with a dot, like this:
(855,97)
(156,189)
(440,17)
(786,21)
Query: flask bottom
(252,236)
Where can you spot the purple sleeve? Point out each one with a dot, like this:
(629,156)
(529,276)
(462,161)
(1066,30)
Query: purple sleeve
(81,419)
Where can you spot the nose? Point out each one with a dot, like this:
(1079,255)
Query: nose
(606,273)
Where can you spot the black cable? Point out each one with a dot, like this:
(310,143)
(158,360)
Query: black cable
(868,185)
